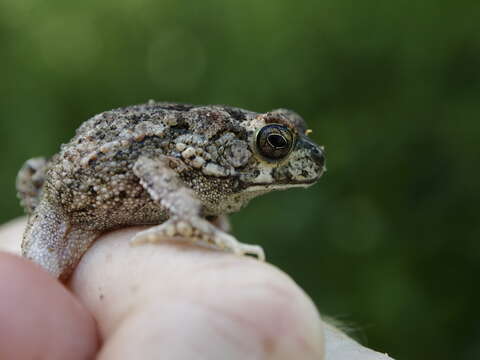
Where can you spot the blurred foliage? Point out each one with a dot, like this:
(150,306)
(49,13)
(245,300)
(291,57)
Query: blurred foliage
(388,241)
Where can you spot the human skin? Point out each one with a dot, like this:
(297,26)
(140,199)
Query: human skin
(170,300)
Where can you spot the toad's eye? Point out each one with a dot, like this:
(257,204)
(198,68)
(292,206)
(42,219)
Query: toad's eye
(274,141)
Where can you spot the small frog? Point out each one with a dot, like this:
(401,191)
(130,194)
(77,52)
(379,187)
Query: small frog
(180,167)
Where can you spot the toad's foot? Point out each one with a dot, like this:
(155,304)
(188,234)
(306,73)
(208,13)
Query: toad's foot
(198,231)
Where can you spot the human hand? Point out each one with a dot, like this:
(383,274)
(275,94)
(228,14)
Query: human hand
(167,300)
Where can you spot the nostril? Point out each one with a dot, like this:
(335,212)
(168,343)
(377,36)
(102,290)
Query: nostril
(319,157)
(316,152)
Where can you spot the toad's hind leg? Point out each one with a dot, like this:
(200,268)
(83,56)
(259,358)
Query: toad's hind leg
(165,187)
(50,241)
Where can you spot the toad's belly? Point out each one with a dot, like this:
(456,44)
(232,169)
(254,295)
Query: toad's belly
(126,214)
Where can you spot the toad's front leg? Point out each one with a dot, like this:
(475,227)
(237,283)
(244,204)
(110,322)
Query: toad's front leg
(165,187)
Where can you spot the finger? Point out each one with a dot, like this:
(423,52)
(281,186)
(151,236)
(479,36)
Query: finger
(340,347)
(183,302)
(39,318)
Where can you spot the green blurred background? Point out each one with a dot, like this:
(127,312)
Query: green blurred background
(387,242)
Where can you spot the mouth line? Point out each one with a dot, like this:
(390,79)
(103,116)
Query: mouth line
(279,186)
(307,182)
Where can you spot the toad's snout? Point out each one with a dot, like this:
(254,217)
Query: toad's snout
(317,153)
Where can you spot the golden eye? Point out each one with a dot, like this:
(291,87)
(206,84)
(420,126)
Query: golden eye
(274,141)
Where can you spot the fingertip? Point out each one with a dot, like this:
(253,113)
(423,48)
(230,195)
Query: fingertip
(39,318)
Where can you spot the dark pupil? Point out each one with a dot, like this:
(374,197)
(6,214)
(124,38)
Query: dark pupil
(277,141)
